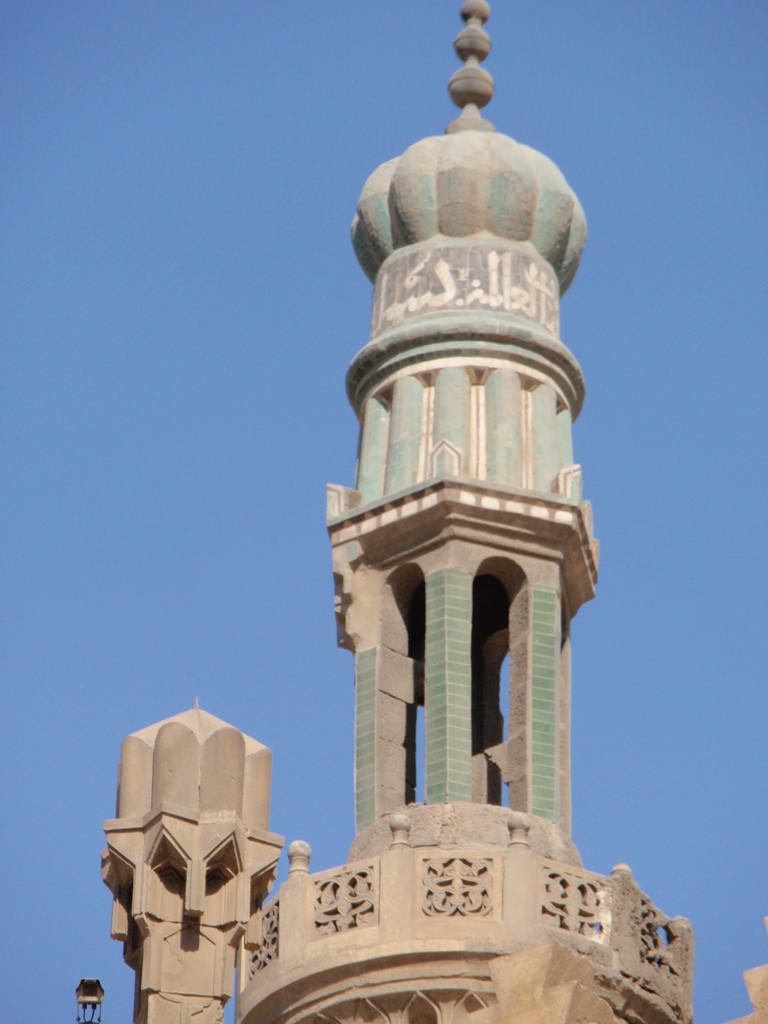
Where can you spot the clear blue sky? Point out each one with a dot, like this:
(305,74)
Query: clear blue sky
(180,302)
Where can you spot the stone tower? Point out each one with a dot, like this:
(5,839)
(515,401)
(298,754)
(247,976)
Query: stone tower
(189,861)
(460,558)
(466,539)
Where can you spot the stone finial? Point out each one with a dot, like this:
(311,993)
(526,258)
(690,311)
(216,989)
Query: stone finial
(471,87)
(622,869)
(519,826)
(299,854)
(400,827)
(189,861)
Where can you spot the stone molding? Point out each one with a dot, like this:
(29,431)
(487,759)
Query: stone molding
(478,336)
(502,520)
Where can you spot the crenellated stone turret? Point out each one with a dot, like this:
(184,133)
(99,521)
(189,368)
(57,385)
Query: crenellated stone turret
(189,861)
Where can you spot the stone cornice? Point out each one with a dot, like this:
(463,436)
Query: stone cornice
(510,521)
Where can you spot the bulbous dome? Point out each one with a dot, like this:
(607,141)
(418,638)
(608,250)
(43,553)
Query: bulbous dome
(468,183)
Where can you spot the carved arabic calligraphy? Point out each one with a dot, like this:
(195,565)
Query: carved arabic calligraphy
(461,277)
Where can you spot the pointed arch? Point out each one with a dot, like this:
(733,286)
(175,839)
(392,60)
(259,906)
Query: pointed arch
(404,631)
(222,867)
(496,587)
(422,1010)
(169,864)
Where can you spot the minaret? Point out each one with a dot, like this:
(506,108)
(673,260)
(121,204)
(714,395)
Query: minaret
(460,558)
(189,860)
(465,549)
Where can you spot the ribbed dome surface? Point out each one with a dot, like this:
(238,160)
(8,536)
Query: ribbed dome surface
(464,184)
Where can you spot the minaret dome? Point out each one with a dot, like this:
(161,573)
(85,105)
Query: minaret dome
(470,181)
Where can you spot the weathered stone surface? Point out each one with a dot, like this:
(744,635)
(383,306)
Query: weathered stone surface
(546,985)
(756,981)
(453,826)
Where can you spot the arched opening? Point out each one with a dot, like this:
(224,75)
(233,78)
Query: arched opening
(404,632)
(422,1011)
(416,622)
(221,872)
(168,880)
(490,645)
(496,594)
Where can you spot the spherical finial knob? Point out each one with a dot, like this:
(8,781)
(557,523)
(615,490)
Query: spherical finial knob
(400,826)
(519,826)
(299,854)
(471,87)
(473,41)
(477,9)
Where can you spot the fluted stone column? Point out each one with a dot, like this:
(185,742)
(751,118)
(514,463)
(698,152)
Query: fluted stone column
(504,455)
(373,450)
(452,414)
(404,434)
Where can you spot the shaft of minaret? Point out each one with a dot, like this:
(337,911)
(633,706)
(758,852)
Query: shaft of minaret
(465,549)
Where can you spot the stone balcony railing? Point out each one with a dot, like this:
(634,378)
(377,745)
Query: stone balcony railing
(420,906)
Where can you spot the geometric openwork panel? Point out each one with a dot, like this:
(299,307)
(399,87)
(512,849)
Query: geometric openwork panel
(269,947)
(575,902)
(345,900)
(457,887)
(655,938)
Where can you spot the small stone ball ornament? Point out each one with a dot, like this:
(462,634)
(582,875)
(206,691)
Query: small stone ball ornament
(471,87)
